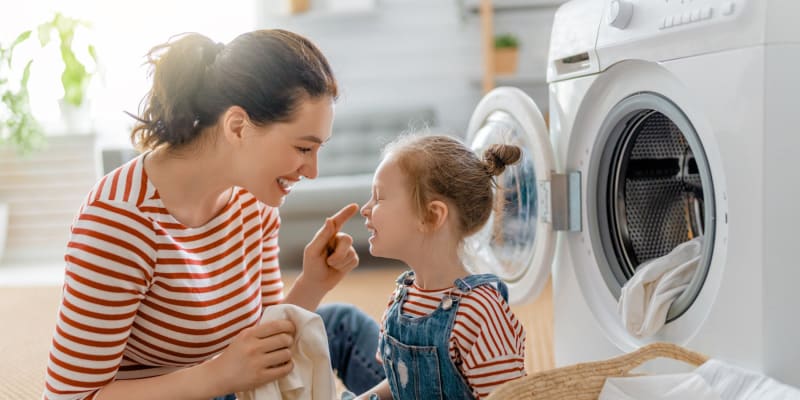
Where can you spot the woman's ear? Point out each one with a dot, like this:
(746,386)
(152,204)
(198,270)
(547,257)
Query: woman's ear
(234,120)
(436,215)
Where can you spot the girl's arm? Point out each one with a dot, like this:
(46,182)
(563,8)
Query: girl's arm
(382,390)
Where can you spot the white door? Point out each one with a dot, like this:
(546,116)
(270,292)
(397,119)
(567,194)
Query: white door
(518,241)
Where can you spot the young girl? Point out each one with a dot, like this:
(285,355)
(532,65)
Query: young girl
(446,334)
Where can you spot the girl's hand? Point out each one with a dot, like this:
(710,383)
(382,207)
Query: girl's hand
(257,355)
(330,254)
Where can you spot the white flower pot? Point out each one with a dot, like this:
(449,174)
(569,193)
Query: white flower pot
(77,120)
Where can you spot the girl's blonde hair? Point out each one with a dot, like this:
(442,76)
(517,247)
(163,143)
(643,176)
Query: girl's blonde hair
(441,167)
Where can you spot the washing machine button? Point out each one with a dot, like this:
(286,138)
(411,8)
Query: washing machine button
(619,13)
(728,8)
(666,23)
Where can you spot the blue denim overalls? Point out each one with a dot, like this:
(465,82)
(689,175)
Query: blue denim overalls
(415,350)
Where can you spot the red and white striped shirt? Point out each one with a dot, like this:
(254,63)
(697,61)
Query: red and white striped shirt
(487,339)
(145,295)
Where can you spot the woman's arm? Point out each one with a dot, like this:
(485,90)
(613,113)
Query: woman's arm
(326,260)
(256,356)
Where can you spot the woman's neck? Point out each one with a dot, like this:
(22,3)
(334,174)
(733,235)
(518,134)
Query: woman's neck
(192,186)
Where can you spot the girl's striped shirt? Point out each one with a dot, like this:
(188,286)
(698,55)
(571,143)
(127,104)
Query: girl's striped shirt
(487,342)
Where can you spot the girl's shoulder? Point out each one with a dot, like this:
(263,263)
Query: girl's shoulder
(483,288)
(486,293)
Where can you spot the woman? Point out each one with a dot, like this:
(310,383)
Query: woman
(173,256)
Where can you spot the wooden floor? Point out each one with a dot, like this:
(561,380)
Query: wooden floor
(28,315)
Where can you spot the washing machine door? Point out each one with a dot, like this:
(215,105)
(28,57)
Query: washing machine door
(517,243)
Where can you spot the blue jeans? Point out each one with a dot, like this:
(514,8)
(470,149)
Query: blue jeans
(353,344)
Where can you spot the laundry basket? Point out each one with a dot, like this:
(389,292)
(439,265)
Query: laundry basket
(584,381)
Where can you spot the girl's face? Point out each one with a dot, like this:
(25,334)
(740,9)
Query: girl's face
(275,157)
(394,226)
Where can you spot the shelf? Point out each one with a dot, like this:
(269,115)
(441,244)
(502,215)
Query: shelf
(322,10)
(520,80)
(472,6)
(517,80)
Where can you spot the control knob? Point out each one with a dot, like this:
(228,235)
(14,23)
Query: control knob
(619,13)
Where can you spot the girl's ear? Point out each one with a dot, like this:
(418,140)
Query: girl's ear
(436,216)
(234,121)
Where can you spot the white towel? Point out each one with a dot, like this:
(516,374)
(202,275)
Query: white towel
(658,387)
(312,377)
(714,380)
(647,296)
(734,383)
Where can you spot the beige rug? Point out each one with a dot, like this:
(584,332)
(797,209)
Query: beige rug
(28,315)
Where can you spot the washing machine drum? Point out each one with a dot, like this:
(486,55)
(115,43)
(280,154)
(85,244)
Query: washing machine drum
(652,191)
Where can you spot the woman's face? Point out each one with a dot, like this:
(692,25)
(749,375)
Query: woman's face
(275,157)
(391,218)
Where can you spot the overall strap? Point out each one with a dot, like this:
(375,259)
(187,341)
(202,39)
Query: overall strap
(406,278)
(466,284)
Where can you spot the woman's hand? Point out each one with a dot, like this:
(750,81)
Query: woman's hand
(330,254)
(326,260)
(257,355)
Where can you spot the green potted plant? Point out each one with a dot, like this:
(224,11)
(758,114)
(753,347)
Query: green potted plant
(20,132)
(506,50)
(75,76)
(18,128)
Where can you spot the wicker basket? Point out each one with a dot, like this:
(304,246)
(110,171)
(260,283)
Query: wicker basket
(584,381)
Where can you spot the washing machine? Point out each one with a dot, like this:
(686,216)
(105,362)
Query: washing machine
(668,120)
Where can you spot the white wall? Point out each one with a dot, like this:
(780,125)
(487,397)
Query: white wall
(415,53)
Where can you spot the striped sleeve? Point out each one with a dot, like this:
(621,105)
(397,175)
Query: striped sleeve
(271,280)
(489,340)
(109,267)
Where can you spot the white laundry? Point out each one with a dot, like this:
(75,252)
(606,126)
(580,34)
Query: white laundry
(312,377)
(645,299)
(734,383)
(658,387)
(714,380)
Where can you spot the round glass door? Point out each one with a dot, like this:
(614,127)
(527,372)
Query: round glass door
(505,243)
(654,193)
(516,244)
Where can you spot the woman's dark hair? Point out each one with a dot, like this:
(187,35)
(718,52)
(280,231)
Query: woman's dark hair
(266,72)
(441,167)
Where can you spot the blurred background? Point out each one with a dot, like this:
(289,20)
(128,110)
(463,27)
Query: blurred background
(401,64)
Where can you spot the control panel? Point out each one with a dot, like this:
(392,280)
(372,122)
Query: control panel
(669,29)
(667,14)
(696,13)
